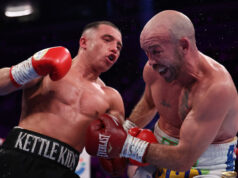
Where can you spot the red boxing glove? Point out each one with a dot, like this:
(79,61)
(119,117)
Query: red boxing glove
(143,134)
(105,137)
(115,166)
(55,61)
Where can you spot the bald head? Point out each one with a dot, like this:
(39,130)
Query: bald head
(170,23)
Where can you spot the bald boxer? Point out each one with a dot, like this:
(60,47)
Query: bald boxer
(59,101)
(195,98)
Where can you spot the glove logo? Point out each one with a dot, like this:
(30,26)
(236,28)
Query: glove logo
(102,147)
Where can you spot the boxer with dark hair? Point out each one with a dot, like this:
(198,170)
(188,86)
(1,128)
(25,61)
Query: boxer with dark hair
(61,97)
(196,99)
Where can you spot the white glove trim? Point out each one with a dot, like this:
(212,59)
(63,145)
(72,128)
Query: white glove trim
(128,125)
(134,148)
(24,72)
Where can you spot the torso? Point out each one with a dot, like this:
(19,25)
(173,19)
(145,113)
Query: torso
(173,102)
(63,109)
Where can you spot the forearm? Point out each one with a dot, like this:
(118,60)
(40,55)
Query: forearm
(168,156)
(137,144)
(6,85)
(143,113)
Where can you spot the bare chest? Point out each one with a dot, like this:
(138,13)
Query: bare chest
(94,100)
(172,102)
(81,98)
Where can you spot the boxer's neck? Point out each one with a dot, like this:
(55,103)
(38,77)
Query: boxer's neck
(84,68)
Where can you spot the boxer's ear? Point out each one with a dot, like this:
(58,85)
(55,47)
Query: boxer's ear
(83,42)
(184,45)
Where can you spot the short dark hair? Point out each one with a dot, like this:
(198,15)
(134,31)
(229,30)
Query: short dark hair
(97,23)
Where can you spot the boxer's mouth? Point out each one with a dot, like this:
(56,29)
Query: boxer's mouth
(161,69)
(111,57)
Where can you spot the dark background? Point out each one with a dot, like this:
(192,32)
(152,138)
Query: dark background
(59,23)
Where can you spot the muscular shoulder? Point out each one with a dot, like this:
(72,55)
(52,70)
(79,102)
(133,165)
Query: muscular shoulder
(100,82)
(109,90)
(216,82)
(218,73)
(116,103)
(149,75)
(112,92)
(217,93)
(222,83)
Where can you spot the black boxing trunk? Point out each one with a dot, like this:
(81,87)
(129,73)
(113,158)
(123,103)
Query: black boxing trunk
(29,154)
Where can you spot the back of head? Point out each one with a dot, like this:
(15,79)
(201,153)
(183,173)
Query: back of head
(172,23)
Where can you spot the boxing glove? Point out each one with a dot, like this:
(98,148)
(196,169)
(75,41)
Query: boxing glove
(143,134)
(106,138)
(114,167)
(55,61)
(128,125)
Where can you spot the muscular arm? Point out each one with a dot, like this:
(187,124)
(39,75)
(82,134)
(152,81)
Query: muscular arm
(6,85)
(144,111)
(198,131)
(28,72)
(117,106)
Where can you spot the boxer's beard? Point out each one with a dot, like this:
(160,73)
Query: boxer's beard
(178,66)
(175,69)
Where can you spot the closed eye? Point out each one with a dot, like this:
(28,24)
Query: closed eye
(156,52)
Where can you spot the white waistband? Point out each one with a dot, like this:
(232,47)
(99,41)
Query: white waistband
(162,137)
(217,156)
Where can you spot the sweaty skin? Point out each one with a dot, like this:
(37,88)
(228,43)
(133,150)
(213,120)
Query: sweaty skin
(63,109)
(193,94)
